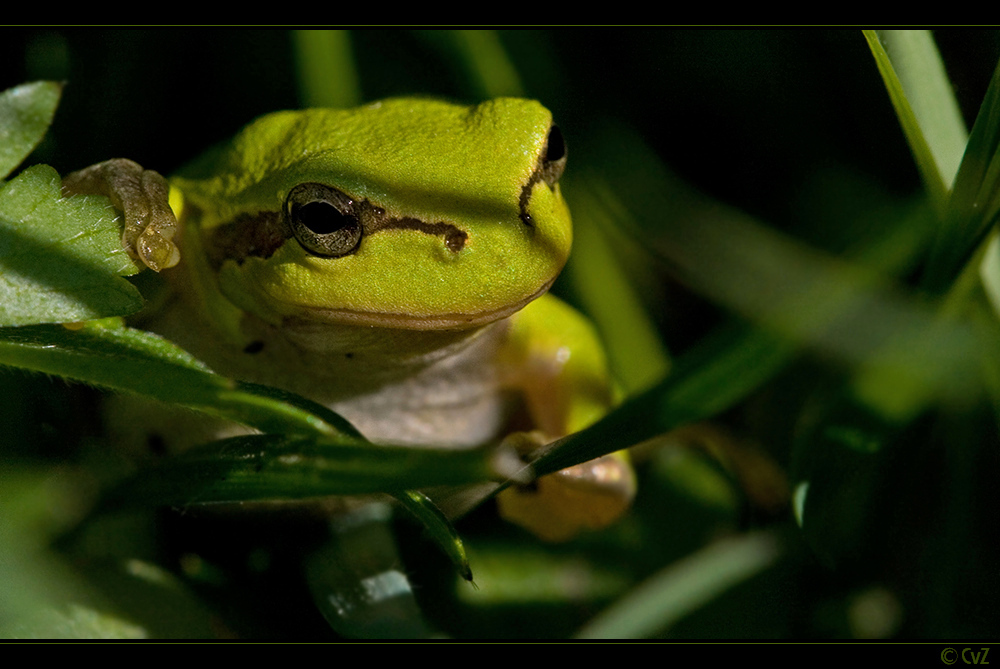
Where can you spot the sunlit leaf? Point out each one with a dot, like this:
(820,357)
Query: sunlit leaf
(60,259)
(26,112)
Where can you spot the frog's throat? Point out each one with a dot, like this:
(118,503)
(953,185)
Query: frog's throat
(453,321)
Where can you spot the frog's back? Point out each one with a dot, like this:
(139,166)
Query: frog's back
(400,148)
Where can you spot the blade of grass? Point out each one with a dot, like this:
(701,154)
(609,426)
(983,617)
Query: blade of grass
(815,300)
(684,587)
(921,94)
(490,70)
(975,201)
(637,355)
(438,527)
(325,67)
(711,377)
(957,264)
(276,467)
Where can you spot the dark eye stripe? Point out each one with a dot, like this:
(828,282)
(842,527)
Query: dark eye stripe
(263,233)
(550,166)
(454,237)
(258,235)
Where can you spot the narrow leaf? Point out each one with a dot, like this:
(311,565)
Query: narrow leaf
(325,65)
(275,467)
(975,201)
(921,94)
(706,380)
(685,587)
(133,361)
(438,527)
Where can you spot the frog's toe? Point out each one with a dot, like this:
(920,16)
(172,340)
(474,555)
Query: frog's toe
(156,251)
(143,197)
(150,224)
(588,496)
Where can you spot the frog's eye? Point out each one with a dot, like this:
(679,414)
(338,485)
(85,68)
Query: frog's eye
(323,220)
(554,158)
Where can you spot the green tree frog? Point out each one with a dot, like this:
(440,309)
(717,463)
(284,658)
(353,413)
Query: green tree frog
(392,263)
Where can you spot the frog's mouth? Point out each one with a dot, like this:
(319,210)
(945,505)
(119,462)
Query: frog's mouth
(448,321)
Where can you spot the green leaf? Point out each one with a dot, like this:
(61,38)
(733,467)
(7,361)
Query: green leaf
(277,467)
(313,451)
(706,380)
(438,527)
(60,259)
(26,112)
(126,360)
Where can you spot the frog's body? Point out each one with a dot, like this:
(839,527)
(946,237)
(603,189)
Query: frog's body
(387,262)
(441,390)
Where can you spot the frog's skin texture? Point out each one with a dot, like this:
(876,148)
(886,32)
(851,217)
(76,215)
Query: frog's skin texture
(390,262)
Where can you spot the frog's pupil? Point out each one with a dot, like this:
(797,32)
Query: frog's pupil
(322,217)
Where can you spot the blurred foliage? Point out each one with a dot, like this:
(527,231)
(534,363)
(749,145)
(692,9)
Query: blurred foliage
(772,258)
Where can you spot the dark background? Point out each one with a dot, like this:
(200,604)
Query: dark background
(772,122)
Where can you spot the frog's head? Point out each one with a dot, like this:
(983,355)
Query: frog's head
(405,213)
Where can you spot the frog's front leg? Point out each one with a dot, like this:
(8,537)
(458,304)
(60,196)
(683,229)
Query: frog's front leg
(143,198)
(566,384)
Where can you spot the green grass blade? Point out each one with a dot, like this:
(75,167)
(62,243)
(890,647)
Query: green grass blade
(684,587)
(921,94)
(975,201)
(637,355)
(438,527)
(326,70)
(487,61)
(481,57)
(713,376)
(277,467)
